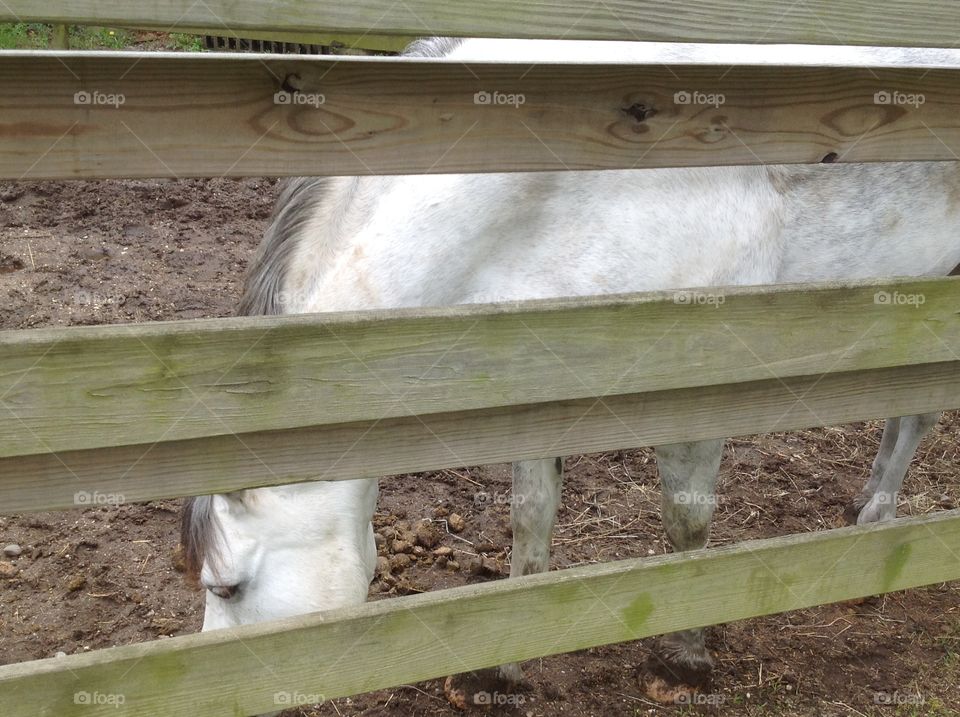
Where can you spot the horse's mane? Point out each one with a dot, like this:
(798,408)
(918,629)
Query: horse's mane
(197,536)
(296,205)
(263,288)
(432,47)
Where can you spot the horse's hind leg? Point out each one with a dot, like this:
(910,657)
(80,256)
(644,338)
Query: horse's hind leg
(878,501)
(891,431)
(533,513)
(688,476)
(888,441)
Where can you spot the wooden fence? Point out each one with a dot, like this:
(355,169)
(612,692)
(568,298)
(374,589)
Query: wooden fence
(345,395)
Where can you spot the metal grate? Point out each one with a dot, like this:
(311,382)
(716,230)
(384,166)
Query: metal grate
(215,42)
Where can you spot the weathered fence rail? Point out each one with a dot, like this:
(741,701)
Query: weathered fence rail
(380,392)
(382,644)
(189,408)
(448,440)
(187,115)
(911,23)
(90,387)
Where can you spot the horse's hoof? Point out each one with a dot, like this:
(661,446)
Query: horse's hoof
(877,508)
(850,513)
(677,674)
(485,688)
(665,693)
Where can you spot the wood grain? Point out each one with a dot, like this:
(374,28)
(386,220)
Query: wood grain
(408,639)
(88,387)
(79,479)
(189,115)
(863,22)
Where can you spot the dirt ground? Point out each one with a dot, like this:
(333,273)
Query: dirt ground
(110,252)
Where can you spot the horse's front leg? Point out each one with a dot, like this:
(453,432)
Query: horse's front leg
(901,438)
(533,512)
(688,477)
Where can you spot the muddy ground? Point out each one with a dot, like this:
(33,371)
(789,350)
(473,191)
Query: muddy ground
(110,252)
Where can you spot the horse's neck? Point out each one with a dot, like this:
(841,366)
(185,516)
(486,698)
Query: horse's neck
(349,502)
(334,518)
(343,211)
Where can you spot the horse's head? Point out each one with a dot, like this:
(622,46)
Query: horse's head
(276,552)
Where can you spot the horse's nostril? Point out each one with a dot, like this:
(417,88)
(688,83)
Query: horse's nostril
(224,591)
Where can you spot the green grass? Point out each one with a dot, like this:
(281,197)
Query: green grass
(99,38)
(191,43)
(930,708)
(24,36)
(36,36)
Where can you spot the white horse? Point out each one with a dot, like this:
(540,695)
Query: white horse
(386,242)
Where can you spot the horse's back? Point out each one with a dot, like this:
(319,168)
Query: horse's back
(377,242)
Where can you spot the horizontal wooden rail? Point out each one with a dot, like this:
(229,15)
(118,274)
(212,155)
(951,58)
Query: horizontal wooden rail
(407,639)
(918,23)
(120,114)
(79,479)
(93,387)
